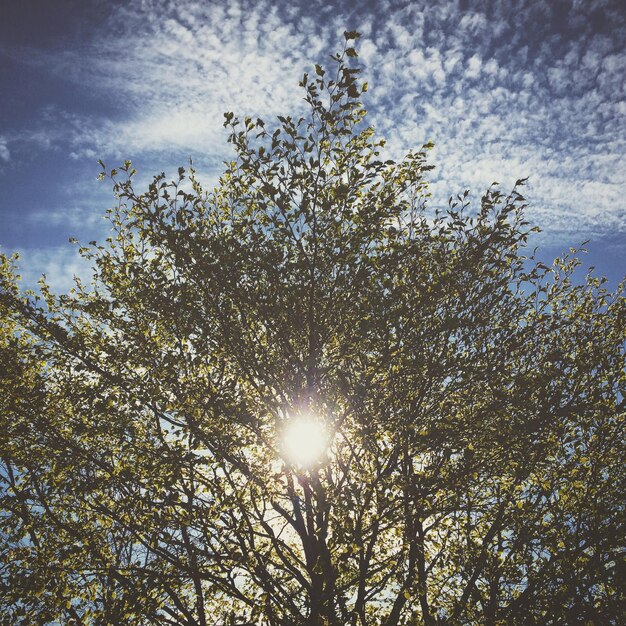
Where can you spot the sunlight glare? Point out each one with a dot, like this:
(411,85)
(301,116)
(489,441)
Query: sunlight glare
(305,441)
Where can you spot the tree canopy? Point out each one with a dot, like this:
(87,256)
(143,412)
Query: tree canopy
(471,400)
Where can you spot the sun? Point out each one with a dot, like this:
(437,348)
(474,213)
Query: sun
(304,441)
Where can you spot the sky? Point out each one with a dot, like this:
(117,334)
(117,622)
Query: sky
(505,89)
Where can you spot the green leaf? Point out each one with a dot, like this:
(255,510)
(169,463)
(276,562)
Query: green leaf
(456,404)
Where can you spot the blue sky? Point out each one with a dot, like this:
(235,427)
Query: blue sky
(505,89)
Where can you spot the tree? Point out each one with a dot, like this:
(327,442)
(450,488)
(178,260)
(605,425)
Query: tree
(472,401)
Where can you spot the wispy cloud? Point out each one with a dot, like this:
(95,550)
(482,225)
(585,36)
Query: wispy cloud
(76,217)
(5,155)
(520,98)
(59,264)
(174,69)
(504,92)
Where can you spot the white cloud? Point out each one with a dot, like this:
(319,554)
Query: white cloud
(176,71)
(60,264)
(5,155)
(473,22)
(502,94)
(473,66)
(73,218)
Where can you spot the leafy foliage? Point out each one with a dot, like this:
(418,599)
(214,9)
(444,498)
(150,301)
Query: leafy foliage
(475,401)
